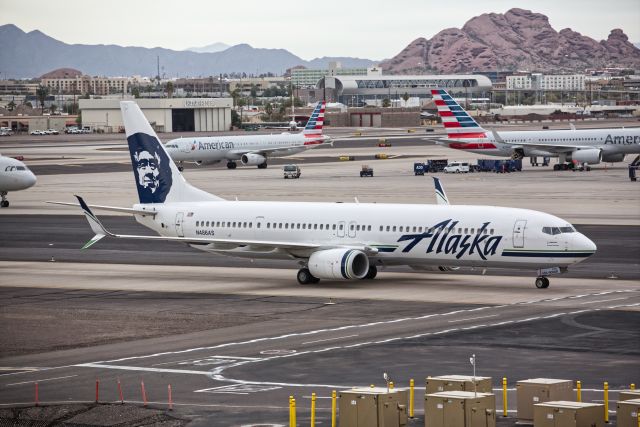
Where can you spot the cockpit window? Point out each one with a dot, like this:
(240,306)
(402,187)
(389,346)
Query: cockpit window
(21,168)
(557,230)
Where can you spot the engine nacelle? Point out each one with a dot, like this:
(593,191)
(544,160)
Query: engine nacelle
(339,264)
(251,159)
(612,157)
(589,155)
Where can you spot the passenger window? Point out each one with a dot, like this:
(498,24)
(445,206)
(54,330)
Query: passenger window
(400,229)
(304,226)
(244,224)
(268,225)
(217,223)
(258,225)
(197,223)
(472,231)
(394,228)
(279,225)
(321,226)
(388,227)
(466,231)
(250,225)
(234,224)
(357,228)
(334,226)
(369,228)
(315,226)
(341,227)
(351,227)
(491,232)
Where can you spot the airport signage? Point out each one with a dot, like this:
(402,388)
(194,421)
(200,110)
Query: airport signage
(200,103)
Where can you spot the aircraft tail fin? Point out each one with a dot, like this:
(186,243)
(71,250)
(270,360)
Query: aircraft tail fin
(441,196)
(315,122)
(158,179)
(458,124)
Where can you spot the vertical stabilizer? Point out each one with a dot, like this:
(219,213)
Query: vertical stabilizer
(316,121)
(157,178)
(457,122)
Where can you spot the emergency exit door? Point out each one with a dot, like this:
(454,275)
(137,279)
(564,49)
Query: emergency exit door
(179,221)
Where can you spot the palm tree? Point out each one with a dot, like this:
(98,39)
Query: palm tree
(169,89)
(11,105)
(42,92)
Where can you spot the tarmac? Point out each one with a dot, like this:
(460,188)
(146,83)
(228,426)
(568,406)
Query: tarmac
(235,342)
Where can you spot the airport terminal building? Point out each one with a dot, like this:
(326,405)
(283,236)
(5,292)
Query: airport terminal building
(354,90)
(165,115)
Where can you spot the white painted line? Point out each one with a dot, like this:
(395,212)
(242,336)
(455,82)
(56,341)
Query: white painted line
(624,305)
(42,380)
(330,339)
(141,368)
(602,300)
(473,318)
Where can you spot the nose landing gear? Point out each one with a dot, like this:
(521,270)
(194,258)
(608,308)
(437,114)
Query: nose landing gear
(4,203)
(542,282)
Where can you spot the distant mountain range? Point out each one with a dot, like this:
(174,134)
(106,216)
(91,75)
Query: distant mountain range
(210,48)
(26,55)
(516,40)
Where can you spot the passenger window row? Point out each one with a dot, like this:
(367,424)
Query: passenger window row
(281,225)
(418,229)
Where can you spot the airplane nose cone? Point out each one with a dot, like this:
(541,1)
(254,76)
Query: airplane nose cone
(587,245)
(32,180)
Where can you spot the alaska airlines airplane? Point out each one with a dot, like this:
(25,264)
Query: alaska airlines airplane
(250,150)
(14,176)
(590,146)
(337,240)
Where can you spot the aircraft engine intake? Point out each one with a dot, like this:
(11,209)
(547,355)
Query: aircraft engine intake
(251,159)
(339,264)
(589,155)
(612,157)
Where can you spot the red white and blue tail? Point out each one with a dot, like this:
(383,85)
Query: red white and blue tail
(313,130)
(457,122)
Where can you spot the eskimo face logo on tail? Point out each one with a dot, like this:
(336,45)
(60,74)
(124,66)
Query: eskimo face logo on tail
(151,167)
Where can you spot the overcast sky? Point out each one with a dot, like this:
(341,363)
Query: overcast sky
(373,29)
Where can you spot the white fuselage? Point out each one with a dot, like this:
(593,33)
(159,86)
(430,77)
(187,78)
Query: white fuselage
(617,141)
(14,175)
(218,148)
(414,235)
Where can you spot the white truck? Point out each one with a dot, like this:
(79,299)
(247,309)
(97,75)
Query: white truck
(291,171)
(457,167)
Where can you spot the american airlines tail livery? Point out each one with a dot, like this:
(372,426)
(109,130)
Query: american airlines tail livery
(251,150)
(590,146)
(337,240)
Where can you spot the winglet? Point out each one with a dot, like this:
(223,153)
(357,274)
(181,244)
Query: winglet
(441,196)
(94,223)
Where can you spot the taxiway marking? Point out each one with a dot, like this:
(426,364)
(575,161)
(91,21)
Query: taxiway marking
(43,380)
(473,318)
(330,339)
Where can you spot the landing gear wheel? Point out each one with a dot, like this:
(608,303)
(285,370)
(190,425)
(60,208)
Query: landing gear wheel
(4,204)
(372,273)
(305,277)
(231,165)
(262,165)
(556,167)
(542,282)
(180,168)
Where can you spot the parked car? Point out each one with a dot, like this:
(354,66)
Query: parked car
(51,132)
(457,167)
(291,171)
(37,132)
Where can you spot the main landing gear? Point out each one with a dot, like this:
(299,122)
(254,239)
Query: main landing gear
(372,273)
(262,165)
(5,202)
(180,166)
(305,277)
(231,164)
(542,282)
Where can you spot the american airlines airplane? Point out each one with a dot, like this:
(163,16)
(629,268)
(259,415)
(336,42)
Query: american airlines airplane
(590,146)
(337,240)
(14,176)
(251,150)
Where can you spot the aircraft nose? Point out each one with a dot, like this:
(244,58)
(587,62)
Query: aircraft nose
(585,244)
(32,180)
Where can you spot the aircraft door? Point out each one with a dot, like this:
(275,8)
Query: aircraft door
(352,229)
(186,146)
(341,226)
(179,221)
(518,233)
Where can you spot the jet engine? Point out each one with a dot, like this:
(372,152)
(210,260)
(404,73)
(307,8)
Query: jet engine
(339,264)
(589,155)
(612,157)
(251,159)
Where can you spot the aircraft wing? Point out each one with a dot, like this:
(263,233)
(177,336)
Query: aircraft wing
(110,208)
(102,232)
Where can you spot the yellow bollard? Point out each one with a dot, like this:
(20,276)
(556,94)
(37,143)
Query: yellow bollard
(606,402)
(411,397)
(291,411)
(504,396)
(313,410)
(372,386)
(579,391)
(294,422)
(390,385)
(333,408)
(632,386)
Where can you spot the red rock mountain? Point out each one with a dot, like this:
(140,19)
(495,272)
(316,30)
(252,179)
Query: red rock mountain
(517,40)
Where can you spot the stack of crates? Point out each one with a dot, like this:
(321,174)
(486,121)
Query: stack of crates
(458,383)
(568,414)
(373,407)
(539,390)
(460,409)
(627,412)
